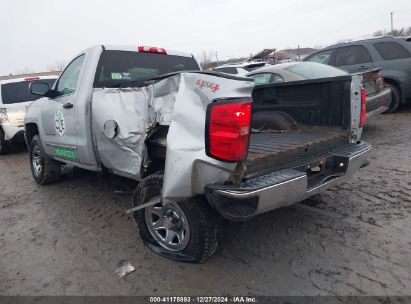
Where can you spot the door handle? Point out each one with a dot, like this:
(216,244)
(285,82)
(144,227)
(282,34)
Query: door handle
(68,105)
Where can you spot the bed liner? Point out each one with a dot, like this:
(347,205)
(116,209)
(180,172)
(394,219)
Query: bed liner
(270,150)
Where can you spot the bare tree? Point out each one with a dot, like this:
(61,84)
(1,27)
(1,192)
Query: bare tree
(405,31)
(56,66)
(206,58)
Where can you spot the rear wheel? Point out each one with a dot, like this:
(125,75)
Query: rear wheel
(395,98)
(44,169)
(4,146)
(186,231)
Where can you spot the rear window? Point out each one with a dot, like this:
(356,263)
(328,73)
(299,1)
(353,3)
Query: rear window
(266,78)
(312,70)
(16,92)
(124,68)
(391,50)
(227,70)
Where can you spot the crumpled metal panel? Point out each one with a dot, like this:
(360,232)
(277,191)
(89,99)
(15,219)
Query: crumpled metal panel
(179,101)
(124,154)
(188,169)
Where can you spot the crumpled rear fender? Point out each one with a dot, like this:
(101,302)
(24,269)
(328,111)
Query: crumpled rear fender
(179,101)
(188,169)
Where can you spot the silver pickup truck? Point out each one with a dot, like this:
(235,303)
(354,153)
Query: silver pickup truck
(201,145)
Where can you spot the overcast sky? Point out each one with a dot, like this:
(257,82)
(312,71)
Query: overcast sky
(37,33)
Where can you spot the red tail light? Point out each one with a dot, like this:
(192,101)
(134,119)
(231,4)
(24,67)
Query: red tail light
(150,49)
(228,130)
(363,106)
(31,78)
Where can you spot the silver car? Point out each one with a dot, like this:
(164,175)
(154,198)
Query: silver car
(378,95)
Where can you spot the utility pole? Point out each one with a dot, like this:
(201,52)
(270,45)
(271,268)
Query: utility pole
(392,21)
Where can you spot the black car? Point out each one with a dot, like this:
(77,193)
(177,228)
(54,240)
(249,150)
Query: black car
(392,55)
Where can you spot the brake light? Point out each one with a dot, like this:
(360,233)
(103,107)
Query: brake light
(31,78)
(150,49)
(228,130)
(363,106)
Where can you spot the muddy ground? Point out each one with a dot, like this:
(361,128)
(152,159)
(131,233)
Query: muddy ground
(67,238)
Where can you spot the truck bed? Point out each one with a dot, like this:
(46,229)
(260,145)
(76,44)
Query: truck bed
(270,150)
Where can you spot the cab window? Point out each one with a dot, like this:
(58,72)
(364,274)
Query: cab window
(67,82)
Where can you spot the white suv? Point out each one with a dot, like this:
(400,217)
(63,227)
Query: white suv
(15,97)
(239,69)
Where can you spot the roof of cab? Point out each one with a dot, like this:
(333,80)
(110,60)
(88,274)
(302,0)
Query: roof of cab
(28,78)
(134,48)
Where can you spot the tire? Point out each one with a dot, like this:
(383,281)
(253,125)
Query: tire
(396,98)
(4,146)
(44,169)
(204,225)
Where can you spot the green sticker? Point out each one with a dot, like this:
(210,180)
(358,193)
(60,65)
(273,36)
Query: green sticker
(65,153)
(116,76)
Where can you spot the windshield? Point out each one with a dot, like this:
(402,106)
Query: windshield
(124,68)
(16,92)
(313,70)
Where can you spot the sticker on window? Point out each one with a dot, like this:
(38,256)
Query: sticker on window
(126,76)
(116,76)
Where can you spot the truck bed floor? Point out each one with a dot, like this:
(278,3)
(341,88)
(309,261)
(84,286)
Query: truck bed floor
(269,150)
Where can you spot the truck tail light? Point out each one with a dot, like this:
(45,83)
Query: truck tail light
(228,129)
(150,49)
(363,106)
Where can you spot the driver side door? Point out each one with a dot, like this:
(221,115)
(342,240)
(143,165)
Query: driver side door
(59,119)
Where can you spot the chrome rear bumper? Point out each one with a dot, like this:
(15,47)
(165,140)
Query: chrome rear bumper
(378,103)
(285,187)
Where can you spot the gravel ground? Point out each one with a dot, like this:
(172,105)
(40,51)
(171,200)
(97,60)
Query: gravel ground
(67,238)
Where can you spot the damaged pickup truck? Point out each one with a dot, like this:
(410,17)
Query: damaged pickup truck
(202,146)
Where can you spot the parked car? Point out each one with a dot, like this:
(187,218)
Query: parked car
(239,69)
(191,140)
(14,98)
(392,55)
(378,95)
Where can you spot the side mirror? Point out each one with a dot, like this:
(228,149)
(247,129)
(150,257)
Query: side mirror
(39,88)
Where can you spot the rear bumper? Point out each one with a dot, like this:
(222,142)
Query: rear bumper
(13,134)
(285,187)
(378,103)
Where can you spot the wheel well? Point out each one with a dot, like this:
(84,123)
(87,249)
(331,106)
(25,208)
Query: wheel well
(31,131)
(393,82)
